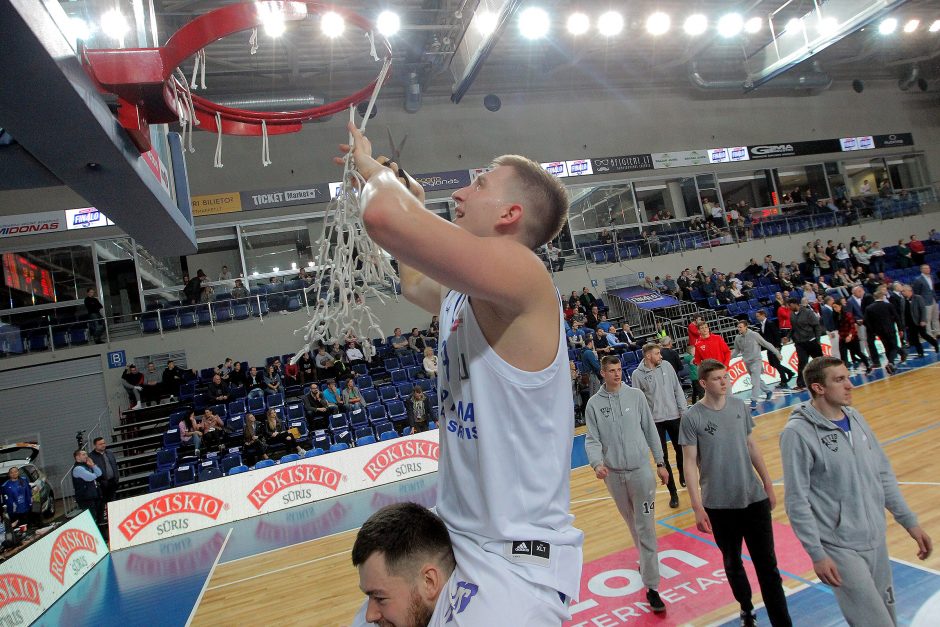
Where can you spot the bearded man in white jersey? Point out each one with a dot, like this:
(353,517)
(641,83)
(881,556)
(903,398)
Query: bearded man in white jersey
(504,382)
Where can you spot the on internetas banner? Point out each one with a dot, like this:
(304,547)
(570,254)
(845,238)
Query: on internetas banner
(188,508)
(35,578)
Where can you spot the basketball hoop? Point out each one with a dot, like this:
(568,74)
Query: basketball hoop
(152,90)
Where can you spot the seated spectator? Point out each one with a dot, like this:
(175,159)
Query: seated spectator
(213,430)
(290,374)
(603,323)
(17,498)
(430,363)
(573,301)
(416,341)
(237,377)
(435,327)
(219,391)
(399,343)
(274,432)
(272,381)
(190,431)
(351,396)
(586,299)
(605,238)
(324,364)
(555,261)
(132,382)
(339,359)
(255,382)
(253,448)
(593,317)
(172,378)
(306,368)
(905,260)
(317,409)
(601,346)
(724,296)
(612,341)
(418,407)
(239,291)
(333,396)
(153,386)
(627,337)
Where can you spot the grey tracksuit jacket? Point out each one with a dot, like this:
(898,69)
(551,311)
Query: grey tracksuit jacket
(748,346)
(621,432)
(837,489)
(662,389)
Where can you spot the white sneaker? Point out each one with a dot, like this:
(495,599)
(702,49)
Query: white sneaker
(301,451)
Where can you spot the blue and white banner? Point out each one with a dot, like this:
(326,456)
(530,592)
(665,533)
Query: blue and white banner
(644,298)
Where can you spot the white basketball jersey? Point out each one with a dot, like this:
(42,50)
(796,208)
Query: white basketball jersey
(505,464)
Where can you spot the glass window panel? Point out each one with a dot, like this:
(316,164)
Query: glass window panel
(596,208)
(279,248)
(217,247)
(158,272)
(865,176)
(906,172)
(795,182)
(752,188)
(667,199)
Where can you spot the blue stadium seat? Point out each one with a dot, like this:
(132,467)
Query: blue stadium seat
(392,363)
(405,390)
(408,359)
(339,446)
(396,411)
(314,452)
(338,421)
(399,376)
(292,457)
(376,412)
(362,432)
(78,335)
(238,470)
(169,320)
(274,400)
(295,411)
(149,323)
(223,312)
(363,381)
(209,470)
(159,480)
(321,440)
(166,459)
(171,439)
(369,439)
(241,310)
(230,461)
(358,418)
(264,463)
(185,475)
(388,435)
(414,372)
(236,407)
(188,318)
(256,405)
(369,396)
(388,393)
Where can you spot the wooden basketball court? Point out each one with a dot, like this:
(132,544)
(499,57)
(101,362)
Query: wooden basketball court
(323,584)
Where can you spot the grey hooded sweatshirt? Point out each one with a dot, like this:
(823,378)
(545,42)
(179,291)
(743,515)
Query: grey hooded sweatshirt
(837,488)
(621,432)
(662,389)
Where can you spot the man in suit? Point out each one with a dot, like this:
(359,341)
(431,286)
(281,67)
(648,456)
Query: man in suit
(923,286)
(829,323)
(625,336)
(915,321)
(110,475)
(769,330)
(857,303)
(881,320)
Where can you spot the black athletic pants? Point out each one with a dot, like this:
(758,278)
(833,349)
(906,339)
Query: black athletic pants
(785,373)
(672,428)
(855,348)
(914,334)
(805,350)
(753,526)
(889,340)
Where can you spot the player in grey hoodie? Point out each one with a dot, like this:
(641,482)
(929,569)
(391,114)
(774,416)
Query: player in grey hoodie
(838,482)
(620,437)
(747,344)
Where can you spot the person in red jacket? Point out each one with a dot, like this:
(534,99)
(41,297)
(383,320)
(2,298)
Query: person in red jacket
(693,329)
(711,347)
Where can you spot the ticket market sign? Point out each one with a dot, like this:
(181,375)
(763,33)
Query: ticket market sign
(150,517)
(35,578)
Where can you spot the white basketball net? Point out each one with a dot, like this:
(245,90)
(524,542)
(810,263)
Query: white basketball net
(349,265)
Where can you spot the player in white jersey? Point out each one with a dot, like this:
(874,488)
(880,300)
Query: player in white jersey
(505,391)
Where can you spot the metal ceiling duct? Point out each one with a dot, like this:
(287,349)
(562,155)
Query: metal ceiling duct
(816,31)
(817,80)
(475,46)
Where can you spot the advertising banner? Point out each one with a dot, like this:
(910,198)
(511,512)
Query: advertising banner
(437,181)
(644,298)
(85,218)
(33,580)
(891,141)
(150,517)
(214,204)
(556,168)
(794,149)
(285,197)
(623,163)
(679,159)
(31,224)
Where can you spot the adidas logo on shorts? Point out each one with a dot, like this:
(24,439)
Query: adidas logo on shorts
(530,551)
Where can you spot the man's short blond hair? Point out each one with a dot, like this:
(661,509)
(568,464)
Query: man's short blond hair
(544,197)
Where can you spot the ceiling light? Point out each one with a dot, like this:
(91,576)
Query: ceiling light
(486,22)
(578,23)
(534,23)
(934,27)
(730,25)
(79,28)
(753,25)
(272,19)
(388,23)
(114,24)
(657,23)
(610,24)
(888,26)
(332,24)
(911,26)
(695,24)
(827,25)
(792,25)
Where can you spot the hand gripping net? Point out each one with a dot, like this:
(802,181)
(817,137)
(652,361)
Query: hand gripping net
(349,265)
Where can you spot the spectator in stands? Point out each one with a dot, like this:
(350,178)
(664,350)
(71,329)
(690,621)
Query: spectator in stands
(685,284)
(333,396)
(190,431)
(723,296)
(193,290)
(85,476)
(610,336)
(659,382)
(915,320)
(237,377)
(133,383)
(771,267)
(110,474)
(172,378)
(605,239)
(747,345)
(418,407)
(219,391)
(917,250)
(805,333)
(591,365)
(848,335)
(670,285)
(711,346)
(354,354)
(882,321)
(556,262)
(586,299)
(339,358)
(213,429)
(625,335)
(152,385)
(669,353)
(254,448)
(416,341)
(430,363)
(274,432)
(399,343)
(753,268)
(306,368)
(93,309)
(924,287)
(651,242)
(593,317)
(324,364)
(573,301)
(272,381)
(316,409)
(17,498)
(239,291)
(352,397)
(604,323)
(435,327)
(601,345)
(255,382)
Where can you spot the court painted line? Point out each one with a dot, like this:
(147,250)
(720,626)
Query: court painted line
(202,592)
(278,570)
(289,546)
(918,483)
(911,434)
